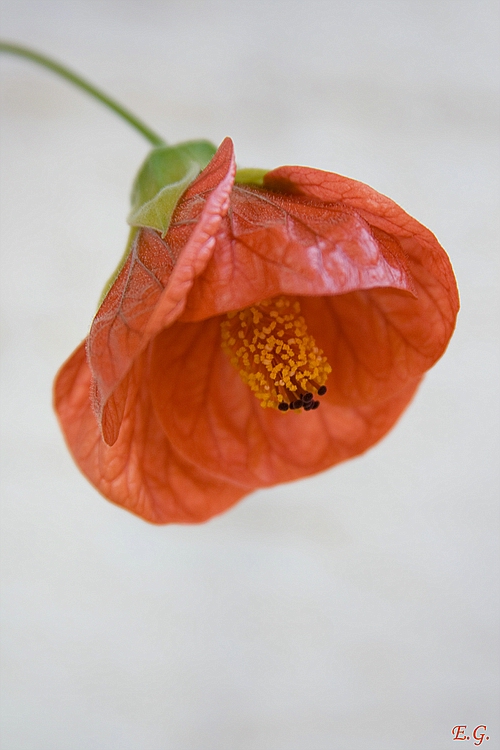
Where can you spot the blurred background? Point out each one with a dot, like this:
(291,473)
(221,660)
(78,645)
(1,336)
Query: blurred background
(357,609)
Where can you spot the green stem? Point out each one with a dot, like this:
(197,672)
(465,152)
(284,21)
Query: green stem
(76,80)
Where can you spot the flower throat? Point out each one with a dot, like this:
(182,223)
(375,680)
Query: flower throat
(275,355)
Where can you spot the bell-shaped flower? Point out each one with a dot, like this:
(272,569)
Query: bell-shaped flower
(258,331)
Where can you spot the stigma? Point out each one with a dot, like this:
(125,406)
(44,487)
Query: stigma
(275,355)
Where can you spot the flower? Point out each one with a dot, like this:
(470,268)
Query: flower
(334,286)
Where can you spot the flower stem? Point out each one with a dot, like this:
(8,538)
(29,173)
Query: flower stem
(76,80)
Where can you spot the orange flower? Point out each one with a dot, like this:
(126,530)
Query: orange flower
(257,296)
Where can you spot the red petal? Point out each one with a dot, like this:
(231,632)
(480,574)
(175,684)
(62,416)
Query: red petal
(271,244)
(429,265)
(209,414)
(141,471)
(151,289)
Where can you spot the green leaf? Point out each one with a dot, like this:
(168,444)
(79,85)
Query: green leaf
(165,175)
(250,176)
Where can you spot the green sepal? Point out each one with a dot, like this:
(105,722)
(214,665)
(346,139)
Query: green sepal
(163,178)
(123,260)
(250,176)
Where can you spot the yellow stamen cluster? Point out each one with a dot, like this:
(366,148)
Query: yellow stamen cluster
(275,355)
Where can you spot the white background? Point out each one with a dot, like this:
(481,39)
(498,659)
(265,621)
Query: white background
(354,610)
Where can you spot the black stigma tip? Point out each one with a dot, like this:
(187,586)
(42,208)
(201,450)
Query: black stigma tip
(314,404)
(307,397)
(282,406)
(322,390)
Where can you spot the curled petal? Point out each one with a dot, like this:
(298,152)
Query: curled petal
(272,243)
(151,289)
(430,267)
(141,471)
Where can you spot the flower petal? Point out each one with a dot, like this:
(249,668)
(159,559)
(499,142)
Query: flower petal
(271,243)
(141,471)
(207,412)
(375,340)
(429,263)
(151,289)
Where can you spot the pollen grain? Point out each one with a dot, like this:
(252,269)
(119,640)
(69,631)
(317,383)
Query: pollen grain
(275,355)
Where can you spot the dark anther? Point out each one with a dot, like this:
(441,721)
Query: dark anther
(307,397)
(297,404)
(322,390)
(282,406)
(315,404)
(292,405)
(308,406)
